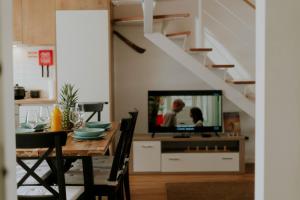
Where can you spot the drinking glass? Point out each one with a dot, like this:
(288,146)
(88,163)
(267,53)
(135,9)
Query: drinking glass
(44,115)
(80,109)
(74,116)
(31,119)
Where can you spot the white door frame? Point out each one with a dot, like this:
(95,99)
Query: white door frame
(7,132)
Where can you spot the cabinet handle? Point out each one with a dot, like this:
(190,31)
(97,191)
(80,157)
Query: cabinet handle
(147,146)
(174,159)
(227,158)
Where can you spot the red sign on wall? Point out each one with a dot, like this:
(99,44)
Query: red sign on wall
(45,57)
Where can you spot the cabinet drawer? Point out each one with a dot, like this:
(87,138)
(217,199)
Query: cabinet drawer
(200,162)
(146,156)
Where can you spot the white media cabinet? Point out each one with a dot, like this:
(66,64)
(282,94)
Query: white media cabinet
(165,154)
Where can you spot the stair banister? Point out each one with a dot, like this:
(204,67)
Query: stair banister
(148,15)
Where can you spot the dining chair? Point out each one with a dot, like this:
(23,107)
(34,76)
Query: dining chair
(107,181)
(93,107)
(51,142)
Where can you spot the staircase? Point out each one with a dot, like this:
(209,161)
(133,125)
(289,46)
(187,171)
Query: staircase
(238,91)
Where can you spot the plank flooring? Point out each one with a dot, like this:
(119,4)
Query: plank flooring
(152,187)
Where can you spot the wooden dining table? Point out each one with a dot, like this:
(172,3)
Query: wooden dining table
(81,149)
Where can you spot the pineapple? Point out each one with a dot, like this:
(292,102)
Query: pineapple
(68,99)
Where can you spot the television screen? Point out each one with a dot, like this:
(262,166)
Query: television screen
(185,111)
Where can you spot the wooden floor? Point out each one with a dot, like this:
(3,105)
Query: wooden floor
(152,187)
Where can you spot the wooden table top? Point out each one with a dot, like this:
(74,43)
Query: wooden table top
(78,148)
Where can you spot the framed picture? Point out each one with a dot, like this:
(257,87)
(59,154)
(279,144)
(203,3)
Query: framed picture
(232,123)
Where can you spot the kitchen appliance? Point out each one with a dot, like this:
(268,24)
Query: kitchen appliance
(19,92)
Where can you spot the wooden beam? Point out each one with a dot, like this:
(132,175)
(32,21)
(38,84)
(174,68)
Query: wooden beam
(129,43)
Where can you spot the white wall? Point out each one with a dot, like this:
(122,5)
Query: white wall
(278,100)
(28,72)
(135,74)
(7,133)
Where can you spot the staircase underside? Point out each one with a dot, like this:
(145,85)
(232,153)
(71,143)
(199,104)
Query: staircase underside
(204,73)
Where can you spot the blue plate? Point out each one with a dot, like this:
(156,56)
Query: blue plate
(104,125)
(24,130)
(88,138)
(89,132)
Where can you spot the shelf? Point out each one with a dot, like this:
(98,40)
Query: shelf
(33,101)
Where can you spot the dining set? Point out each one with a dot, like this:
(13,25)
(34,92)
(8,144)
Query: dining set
(55,165)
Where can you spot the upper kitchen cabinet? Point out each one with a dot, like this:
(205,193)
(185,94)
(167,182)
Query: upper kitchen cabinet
(38,22)
(82,4)
(17,17)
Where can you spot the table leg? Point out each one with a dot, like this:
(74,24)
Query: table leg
(87,164)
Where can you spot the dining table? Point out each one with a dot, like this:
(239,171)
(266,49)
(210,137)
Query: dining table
(81,149)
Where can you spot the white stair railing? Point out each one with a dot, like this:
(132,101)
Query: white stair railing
(148,15)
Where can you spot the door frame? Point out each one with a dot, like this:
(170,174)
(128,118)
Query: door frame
(7,120)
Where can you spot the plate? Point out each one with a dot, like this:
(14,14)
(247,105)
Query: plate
(89,132)
(24,130)
(96,124)
(76,137)
(39,126)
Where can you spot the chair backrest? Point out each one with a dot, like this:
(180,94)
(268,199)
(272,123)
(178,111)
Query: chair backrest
(93,107)
(51,141)
(119,157)
(134,116)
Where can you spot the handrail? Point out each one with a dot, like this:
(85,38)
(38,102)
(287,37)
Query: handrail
(250,4)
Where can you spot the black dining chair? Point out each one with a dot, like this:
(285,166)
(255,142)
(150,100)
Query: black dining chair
(107,181)
(94,108)
(52,142)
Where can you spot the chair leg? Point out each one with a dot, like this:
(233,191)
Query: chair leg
(120,192)
(127,185)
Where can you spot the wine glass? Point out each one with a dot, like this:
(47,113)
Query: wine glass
(44,115)
(31,119)
(74,116)
(80,109)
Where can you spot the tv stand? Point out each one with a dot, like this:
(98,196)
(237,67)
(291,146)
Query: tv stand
(168,154)
(182,135)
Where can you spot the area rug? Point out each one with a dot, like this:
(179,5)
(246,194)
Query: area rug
(211,191)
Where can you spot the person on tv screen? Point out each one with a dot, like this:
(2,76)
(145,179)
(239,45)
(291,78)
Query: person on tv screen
(170,117)
(196,115)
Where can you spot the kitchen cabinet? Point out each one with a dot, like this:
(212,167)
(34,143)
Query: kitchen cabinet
(38,22)
(82,4)
(17,20)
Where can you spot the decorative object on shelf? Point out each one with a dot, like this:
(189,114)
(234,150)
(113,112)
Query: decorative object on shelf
(68,99)
(45,59)
(35,94)
(19,92)
(232,123)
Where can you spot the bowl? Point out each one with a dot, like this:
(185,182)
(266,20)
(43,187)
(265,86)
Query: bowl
(89,132)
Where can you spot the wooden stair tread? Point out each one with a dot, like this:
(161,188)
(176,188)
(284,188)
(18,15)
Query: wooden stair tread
(222,66)
(155,17)
(250,96)
(252,5)
(240,82)
(184,33)
(200,49)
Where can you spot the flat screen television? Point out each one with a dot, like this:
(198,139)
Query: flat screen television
(185,111)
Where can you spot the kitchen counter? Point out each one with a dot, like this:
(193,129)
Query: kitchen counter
(33,101)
